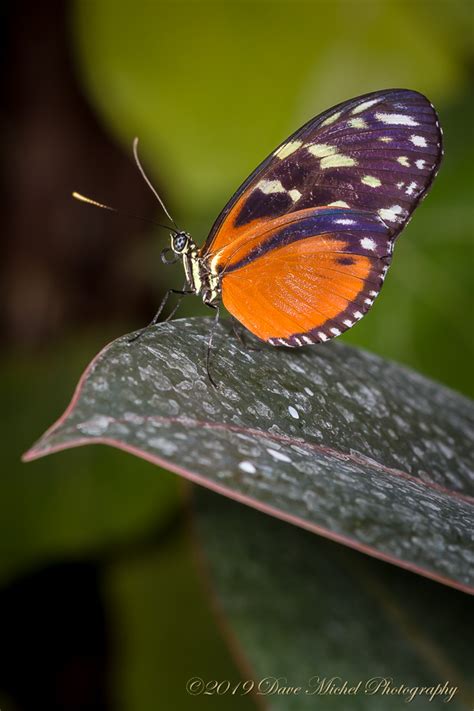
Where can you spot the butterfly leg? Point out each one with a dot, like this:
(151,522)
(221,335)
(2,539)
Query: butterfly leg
(209,343)
(181,292)
(239,332)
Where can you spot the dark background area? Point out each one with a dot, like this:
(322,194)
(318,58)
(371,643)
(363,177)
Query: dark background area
(63,267)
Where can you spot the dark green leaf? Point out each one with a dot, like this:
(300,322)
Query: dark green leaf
(331,438)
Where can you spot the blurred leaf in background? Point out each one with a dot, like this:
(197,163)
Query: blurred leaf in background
(302,607)
(212,87)
(166,631)
(68,508)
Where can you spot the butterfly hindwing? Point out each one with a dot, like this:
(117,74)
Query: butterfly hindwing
(307,280)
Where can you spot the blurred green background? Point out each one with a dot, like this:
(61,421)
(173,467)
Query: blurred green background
(100,600)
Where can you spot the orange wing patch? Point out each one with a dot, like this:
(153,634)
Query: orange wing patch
(310,286)
(227,233)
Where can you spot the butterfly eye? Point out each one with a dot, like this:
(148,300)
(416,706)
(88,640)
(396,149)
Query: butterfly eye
(180,241)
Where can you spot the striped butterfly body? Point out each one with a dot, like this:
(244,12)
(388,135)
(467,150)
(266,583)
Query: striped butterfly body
(301,250)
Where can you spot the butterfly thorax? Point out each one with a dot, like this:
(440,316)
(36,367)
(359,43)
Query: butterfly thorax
(200,278)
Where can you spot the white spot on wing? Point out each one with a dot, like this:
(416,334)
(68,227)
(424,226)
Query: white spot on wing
(287,149)
(270,186)
(338,203)
(411,188)
(322,336)
(391,213)
(358,315)
(320,150)
(294,195)
(345,221)
(396,119)
(348,323)
(365,105)
(336,331)
(371,181)
(420,163)
(331,119)
(337,161)
(357,123)
(403,160)
(418,141)
(306,339)
(368,243)
(385,139)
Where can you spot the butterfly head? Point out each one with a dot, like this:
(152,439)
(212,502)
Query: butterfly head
(181,246)
(180,242)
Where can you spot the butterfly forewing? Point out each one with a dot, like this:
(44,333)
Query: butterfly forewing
(375,155)
(378,152)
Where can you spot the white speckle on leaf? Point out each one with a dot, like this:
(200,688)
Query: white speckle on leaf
(445,450)
(247,467)
(133,418)
(100,385)
(96,426)
(164,445)
(278,455)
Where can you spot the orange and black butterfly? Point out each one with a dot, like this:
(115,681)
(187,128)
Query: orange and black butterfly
(300,251)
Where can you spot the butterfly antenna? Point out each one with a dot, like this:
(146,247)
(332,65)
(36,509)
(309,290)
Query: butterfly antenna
(90,201)
(148,182)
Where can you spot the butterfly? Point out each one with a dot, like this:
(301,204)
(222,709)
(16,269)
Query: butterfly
(300,252)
